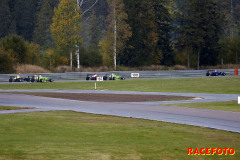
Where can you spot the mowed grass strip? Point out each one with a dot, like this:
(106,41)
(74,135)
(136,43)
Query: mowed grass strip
(64,135)
(232,106)
(220,85)
(12,108)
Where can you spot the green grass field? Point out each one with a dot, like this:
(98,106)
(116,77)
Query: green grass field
(225,85)
(78,136)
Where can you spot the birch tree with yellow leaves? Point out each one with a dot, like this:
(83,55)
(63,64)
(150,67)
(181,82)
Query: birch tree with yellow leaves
(66,26)
(117,34)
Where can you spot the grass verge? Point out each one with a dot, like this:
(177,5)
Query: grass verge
(219,85)
(232,106)
(11,108)
(70,135)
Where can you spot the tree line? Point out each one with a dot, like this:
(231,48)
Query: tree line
(120,32)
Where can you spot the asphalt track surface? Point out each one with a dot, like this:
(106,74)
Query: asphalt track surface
(223,120)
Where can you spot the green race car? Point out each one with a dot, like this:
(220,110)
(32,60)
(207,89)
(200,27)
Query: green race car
(113,77)
(39,78)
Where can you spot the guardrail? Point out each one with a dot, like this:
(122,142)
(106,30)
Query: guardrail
(126,74)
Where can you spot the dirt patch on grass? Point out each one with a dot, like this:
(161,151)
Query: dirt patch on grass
(109,97)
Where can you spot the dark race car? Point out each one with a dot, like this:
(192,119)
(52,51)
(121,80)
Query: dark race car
(106,77)
(27,79)
(215,73)
(15,79)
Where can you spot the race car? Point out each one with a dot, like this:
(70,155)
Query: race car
(106,77)
(113,77)
(39,78)
(215,73)
(16,79)
(93,77)
(27,79)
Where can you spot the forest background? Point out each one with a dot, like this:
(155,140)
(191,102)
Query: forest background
(127,33)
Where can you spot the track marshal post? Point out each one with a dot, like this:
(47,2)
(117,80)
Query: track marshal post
(98,79)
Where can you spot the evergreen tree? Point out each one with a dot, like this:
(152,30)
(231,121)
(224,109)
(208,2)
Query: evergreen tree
(150,42)
(163,18)
(94,34)
(139,19)
(200,30)
(42,31)
(24,13)
(93,21)
(6,19)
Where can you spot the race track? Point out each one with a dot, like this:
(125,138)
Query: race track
(223,120)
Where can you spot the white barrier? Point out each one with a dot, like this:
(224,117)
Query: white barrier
(135,75)
(239,100)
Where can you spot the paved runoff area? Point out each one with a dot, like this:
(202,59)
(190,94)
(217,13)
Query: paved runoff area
(153,110)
